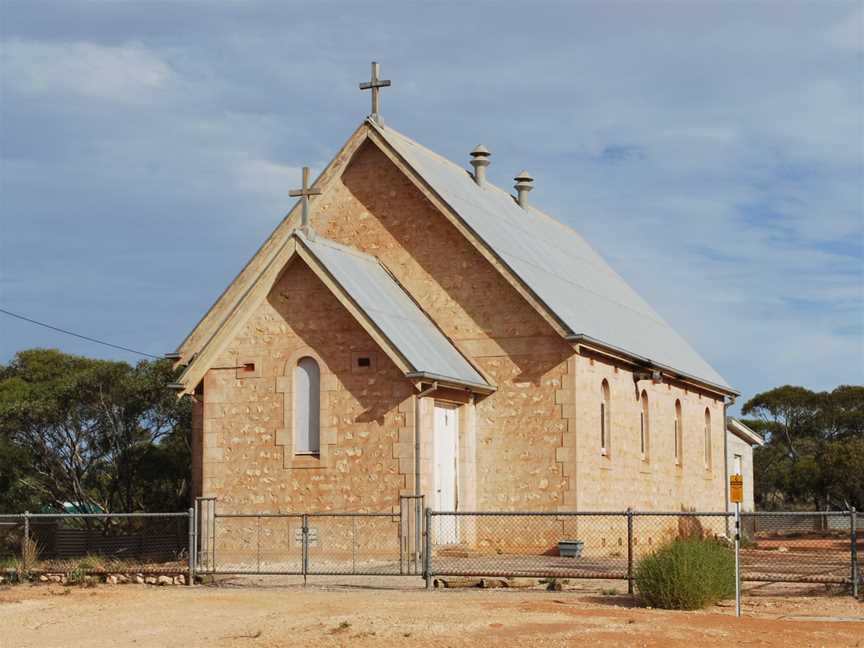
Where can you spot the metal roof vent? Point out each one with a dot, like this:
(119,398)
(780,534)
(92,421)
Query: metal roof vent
(480,160)
(524,184)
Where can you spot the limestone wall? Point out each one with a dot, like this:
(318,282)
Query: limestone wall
(623,477)
(249,462)
(375,208)
(531,445)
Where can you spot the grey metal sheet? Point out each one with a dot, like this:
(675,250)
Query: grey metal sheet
(557,264)
(372,288)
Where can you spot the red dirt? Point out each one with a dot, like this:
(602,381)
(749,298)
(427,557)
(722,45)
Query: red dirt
(339,615)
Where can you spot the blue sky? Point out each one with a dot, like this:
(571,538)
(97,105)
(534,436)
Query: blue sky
(712,152)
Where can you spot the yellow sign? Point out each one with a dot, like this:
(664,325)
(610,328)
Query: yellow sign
(736,488)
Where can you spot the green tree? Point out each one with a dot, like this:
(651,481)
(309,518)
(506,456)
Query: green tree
(812,456)
(88,427)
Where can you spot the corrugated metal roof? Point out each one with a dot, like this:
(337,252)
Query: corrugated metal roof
(557,264)
(396,315)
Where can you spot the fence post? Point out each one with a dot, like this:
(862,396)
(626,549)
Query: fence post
(630,550)
(427,551)
(25,550)
(401,534)
(737,559)
(418,509)
(853,532)
(354,544)
(191,577)
(304,536)
(213,533)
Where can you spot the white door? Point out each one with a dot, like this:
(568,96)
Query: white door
(446,444)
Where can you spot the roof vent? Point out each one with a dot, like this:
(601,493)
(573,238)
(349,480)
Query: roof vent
(480,160)
(524,184)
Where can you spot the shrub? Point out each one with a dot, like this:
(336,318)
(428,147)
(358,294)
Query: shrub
(30,551)
(686,574)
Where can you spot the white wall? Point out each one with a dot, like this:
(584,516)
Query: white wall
(736,446)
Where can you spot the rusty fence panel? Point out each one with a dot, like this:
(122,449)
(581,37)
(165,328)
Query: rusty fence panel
(800,547)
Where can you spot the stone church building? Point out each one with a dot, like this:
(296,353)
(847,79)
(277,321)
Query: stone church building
(411,328)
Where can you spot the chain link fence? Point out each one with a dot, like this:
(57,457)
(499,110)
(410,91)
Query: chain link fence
(320,543)
(775,547)
(799,547)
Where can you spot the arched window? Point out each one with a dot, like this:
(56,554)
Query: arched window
(605,427)
(707,439)
(679,437)
(644,426)
(307,407)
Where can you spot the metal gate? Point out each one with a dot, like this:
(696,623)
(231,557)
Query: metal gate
(318,543)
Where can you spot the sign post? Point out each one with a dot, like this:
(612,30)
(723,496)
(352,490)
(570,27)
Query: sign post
(736,495)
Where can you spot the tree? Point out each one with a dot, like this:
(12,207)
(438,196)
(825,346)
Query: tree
(791,412)
(88,426)
(812,456)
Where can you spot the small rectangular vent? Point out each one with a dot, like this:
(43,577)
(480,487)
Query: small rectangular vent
(364,362)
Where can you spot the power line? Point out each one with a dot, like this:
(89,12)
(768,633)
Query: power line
(78,335)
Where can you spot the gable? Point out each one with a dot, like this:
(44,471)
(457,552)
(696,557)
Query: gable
(373,298)
(375,207)
(236,290)
(547,263)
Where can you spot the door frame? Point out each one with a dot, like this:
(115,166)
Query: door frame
(446,523)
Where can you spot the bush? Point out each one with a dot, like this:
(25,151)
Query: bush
(686,574)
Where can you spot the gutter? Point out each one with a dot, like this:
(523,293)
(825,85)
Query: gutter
(587,339)
(425,376)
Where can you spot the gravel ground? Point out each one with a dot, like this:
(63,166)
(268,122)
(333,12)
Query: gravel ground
(280,612)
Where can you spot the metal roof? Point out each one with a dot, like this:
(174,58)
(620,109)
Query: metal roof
(374,290)
(557,264)
(744,432)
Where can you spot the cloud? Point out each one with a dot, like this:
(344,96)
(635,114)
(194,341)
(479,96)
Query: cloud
(711,153)
(46,69)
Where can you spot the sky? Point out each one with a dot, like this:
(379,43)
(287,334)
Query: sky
(712,152)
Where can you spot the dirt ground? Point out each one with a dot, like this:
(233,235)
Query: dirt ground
(271,614)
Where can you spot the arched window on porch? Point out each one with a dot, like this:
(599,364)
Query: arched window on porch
(307,407)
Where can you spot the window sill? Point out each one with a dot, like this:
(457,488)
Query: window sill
(305,461)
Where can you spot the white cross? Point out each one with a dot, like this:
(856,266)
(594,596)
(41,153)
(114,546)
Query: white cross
(375,84)
(304,193)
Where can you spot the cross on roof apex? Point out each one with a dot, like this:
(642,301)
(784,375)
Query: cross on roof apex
(304,194)
(375,84)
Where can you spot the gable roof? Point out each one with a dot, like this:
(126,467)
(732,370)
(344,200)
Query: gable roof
(375,299)
(744,432)
(548,263)
(376,292)
(574,282)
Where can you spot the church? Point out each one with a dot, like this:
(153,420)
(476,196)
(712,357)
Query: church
(410,328)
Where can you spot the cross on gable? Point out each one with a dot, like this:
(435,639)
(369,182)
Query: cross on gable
(304,193)
(375,84)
